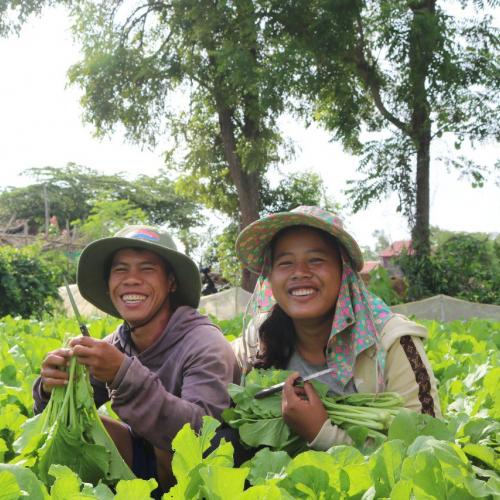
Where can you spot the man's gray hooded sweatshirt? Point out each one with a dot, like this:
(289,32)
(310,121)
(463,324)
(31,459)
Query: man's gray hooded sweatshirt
(180,378)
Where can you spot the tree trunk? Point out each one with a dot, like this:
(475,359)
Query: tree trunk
(247,184)
(422,46)
(420,230)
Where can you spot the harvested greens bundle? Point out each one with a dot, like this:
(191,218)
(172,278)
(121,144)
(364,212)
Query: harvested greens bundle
(259,421)
(69,432)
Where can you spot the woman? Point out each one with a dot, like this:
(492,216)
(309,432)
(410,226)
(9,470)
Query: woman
(317,313)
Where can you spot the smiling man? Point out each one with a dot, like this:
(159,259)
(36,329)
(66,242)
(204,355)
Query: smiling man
(165,366)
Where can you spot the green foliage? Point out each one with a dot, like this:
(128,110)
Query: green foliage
(27,282)
(465,266)
(407,74)
(69,432)
(222,255)
(107,217)
(201,476)
(62,263)
(75,192)
(137,61)
(422,457)
(380,285)
(259,421)
(231,328)
(23,346)
(468,267)
(299,188)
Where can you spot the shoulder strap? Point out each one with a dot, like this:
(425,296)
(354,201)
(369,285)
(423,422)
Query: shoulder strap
(399,326)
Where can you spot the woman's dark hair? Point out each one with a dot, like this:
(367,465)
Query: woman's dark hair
(277,333)
(277,340)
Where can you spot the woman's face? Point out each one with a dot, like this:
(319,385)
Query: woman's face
(306,274)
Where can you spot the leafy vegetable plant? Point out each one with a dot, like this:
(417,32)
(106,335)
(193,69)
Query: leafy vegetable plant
(259,421)
(69,432)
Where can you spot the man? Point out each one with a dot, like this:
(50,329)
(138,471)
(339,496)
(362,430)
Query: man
(165,366)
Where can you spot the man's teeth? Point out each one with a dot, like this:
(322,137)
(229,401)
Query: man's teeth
(302,291)
(133,298)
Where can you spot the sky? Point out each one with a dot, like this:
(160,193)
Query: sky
(41,125)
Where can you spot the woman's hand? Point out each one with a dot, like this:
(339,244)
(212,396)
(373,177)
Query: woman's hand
(102,358)
(53,372)
(302,409)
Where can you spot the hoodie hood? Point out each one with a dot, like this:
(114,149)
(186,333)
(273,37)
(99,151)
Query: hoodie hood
(183,321)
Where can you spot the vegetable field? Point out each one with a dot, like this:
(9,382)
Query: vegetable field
(422,458)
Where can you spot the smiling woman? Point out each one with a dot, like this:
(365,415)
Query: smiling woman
(314,313)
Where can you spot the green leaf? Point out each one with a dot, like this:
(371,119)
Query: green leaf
(426,476)
(385,466)
(32,435)
(266,464)
(101,491)
(483,453)
(3,449)
(223,482)
(66,485)
(9,489)
(27,481)
(189,447)
(308,481)
(135,488)
(265,492)
(408,425)
(402,490)
(268,432)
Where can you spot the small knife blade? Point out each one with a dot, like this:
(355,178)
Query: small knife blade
(278,387)
(81,324)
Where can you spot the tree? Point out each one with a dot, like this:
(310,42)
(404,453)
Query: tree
(137,61)
(468,267)
(107,217)
(14,13)
(73,191)
(28,283)
(301,188)
(382,240)
(409,72)
(69,192)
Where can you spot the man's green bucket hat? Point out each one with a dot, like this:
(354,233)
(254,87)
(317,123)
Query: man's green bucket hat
(95,260)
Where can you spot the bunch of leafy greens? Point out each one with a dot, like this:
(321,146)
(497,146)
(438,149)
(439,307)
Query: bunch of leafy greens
(260,423)
(69,432)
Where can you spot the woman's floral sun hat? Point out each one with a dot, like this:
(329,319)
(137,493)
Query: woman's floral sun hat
(254,240)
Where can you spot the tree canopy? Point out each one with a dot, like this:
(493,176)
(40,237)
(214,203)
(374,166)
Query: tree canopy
(388,78)
(73,192)
(405,73)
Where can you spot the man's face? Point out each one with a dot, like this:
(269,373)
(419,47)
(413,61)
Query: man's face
(139,284)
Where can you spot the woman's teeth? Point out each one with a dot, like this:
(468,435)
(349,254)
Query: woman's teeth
(302,291)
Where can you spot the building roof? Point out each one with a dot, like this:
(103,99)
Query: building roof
(396,248)
(369,266)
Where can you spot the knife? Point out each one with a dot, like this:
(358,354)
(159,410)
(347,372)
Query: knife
(278,387)
(81,324)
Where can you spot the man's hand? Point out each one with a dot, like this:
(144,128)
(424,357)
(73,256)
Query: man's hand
(302,409)
(102,358)
(53,372)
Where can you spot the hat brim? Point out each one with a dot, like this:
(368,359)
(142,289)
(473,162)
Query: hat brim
(91,274)
(253,240)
